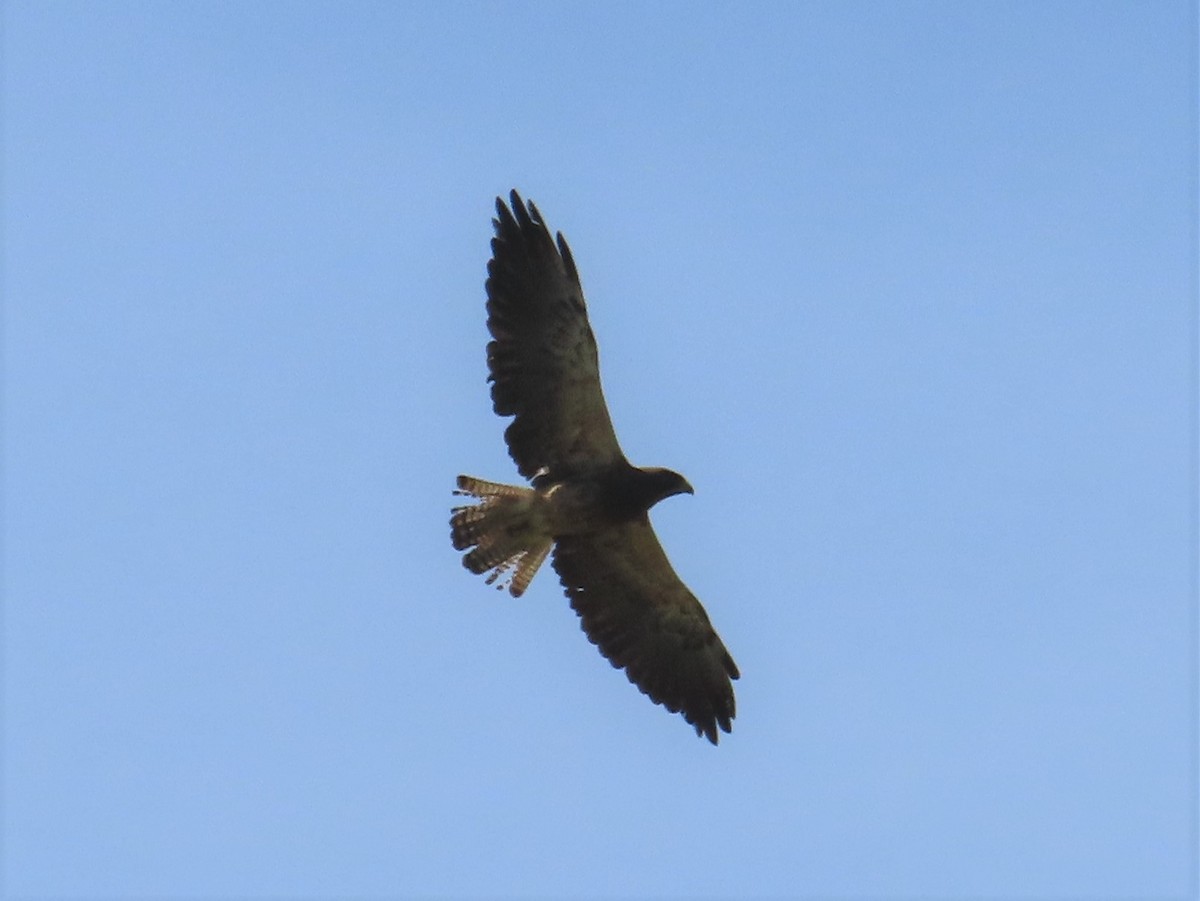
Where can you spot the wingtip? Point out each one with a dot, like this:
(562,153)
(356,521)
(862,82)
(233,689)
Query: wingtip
(503,220)
(517,204)
(709,728)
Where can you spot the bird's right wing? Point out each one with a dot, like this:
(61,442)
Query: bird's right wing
(642,617)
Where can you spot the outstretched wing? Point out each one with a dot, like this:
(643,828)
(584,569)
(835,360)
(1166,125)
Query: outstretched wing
(645,620)
(542,359)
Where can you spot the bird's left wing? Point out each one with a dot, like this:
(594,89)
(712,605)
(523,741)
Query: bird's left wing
(545,370)
(642,617)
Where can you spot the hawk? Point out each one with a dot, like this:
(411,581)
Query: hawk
(586,504)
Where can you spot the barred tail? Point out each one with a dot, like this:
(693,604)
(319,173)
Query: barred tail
(505,532)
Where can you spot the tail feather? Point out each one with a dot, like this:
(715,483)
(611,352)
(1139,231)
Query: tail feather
(504,532)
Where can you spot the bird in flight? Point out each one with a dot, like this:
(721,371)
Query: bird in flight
(586,504)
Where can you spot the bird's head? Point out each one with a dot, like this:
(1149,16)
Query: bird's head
(664,483)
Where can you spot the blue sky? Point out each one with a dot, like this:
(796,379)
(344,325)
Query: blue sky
(907,291)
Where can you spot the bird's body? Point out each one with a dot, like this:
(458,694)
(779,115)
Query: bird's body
(587,504)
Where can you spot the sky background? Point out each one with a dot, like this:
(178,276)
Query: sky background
(907,292)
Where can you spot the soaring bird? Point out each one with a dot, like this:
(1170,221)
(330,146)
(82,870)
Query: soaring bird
(586,504)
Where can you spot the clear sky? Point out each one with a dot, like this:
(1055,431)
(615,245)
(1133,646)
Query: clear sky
(907,292)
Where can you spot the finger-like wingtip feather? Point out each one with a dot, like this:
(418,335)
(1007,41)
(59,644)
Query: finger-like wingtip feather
(568,260)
